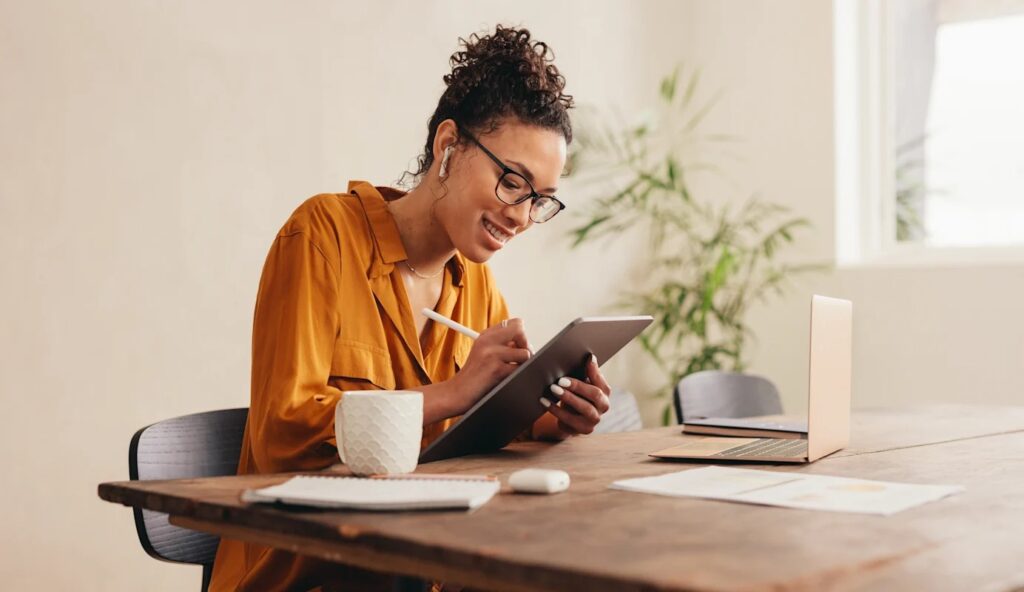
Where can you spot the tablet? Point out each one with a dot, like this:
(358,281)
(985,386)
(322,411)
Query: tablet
(514,403)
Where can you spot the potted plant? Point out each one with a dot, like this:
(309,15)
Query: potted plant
(708,260)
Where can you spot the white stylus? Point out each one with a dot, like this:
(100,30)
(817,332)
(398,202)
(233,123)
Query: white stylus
(430,314)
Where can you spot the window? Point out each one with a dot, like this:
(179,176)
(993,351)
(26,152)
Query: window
(930,129)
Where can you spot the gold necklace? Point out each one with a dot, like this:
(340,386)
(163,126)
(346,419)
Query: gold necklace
(420,275)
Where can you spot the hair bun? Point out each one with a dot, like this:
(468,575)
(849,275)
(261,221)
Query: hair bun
(497,76)
(501,62)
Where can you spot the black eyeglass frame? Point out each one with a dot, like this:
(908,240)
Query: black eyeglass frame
(507,170)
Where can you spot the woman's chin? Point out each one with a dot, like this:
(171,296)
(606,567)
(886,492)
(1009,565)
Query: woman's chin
(479,246)
(477,254)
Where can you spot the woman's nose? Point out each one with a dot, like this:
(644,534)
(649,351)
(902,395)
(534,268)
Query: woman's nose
(519,215)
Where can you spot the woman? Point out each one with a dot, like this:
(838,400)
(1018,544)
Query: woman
(338,301)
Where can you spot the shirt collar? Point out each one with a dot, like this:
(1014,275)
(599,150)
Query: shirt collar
(389,247)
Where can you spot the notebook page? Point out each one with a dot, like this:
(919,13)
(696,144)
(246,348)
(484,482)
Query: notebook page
(377,494)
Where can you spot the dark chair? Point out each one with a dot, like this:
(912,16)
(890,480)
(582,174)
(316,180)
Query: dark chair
(713,393)
(623,413)
(198,445)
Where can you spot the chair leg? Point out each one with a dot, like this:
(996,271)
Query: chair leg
(207,572)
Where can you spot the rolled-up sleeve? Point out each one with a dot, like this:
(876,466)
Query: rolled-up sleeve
(291,418)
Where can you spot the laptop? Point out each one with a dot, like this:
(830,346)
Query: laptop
(828,403)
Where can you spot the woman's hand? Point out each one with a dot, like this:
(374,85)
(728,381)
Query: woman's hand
(494,356)
(580,405)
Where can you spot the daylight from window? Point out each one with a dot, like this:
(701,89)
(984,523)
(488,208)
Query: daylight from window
(974,148)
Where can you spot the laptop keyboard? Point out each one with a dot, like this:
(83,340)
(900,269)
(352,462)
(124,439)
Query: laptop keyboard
(767,447)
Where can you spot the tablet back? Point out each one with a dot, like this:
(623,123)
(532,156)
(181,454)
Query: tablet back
(514,403)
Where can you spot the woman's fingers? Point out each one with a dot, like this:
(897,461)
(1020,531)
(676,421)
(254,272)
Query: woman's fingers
(503,343)
(573,421)
(510,330)
(588,394)
(578,405)
(595,377)
(513,355)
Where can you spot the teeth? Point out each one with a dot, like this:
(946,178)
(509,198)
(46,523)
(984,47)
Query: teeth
(500,236)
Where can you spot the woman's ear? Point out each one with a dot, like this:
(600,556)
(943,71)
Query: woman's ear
(445,138)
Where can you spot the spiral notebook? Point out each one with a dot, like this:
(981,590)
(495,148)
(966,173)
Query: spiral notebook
(410,492)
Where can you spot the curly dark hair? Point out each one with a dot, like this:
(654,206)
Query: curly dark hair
(497,76)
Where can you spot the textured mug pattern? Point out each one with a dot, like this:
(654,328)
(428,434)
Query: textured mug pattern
(380,431)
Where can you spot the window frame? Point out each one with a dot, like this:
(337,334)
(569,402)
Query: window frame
(865,213)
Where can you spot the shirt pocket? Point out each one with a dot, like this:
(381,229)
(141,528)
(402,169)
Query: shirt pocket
(360,366)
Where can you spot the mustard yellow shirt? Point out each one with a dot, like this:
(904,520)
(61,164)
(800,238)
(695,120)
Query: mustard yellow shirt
(332,315)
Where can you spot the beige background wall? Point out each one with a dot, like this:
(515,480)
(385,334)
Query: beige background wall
(149,151)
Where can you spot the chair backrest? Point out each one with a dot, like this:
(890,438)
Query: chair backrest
(714,393)
(623,413)
(198,445)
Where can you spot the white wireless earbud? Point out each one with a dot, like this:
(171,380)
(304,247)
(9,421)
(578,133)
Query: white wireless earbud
(444,162)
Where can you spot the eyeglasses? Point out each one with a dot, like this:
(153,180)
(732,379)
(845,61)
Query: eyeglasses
(513,188)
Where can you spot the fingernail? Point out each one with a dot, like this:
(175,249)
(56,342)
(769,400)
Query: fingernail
(557,390)
(564,382)
(545,402)
(593,359)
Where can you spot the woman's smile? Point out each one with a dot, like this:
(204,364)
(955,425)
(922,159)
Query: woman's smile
(495,234)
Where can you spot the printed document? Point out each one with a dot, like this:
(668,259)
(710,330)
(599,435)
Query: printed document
(790,490)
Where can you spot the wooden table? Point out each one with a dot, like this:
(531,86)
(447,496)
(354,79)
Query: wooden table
(593,538)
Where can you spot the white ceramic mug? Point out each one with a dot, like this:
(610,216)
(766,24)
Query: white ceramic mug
(379,432)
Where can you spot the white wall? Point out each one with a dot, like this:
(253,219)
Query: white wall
(150,150)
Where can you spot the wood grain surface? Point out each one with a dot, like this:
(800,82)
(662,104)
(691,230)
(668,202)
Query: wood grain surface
(593,538)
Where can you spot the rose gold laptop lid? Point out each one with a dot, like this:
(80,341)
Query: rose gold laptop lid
(831,351)
(828,393)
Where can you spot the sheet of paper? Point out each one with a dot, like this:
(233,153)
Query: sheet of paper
(790,490)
